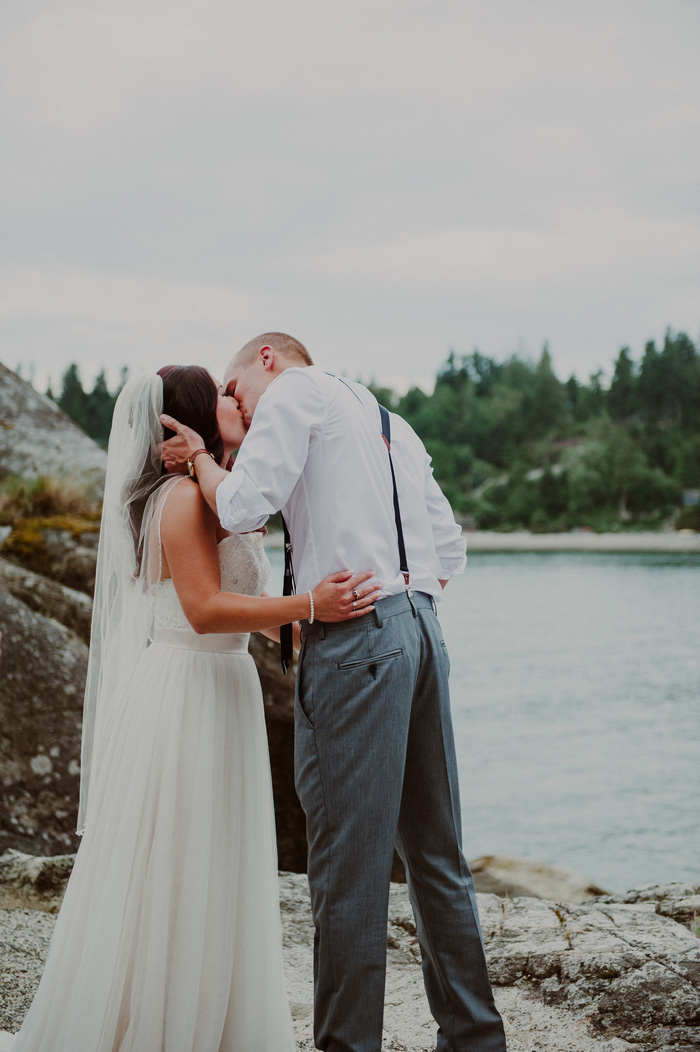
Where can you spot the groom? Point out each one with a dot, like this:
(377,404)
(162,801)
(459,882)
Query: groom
(374,750)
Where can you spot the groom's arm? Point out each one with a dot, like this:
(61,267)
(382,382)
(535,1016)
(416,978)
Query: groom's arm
(270,461)
(448,538)
(273,455)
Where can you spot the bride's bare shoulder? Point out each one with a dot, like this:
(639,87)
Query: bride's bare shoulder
(184,505)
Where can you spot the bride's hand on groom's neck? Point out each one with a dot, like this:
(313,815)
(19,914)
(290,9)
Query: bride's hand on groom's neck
(181,446)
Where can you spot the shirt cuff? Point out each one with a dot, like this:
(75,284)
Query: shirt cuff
(239,511)
(452,567)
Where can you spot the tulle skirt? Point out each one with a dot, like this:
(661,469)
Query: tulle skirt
(169,935)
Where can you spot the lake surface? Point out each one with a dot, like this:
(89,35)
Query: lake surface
(576,702)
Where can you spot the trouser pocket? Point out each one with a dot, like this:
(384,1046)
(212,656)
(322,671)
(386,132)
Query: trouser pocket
(373,659)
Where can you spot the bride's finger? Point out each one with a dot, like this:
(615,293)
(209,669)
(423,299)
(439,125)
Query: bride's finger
(170,422)
(340,576)
(367,597)
(357,579)
(359,612)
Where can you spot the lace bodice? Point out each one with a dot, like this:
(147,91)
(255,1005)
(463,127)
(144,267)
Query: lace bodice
(245,568)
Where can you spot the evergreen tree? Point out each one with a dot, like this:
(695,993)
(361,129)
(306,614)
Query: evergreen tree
(73,400)
(549,394)
(622,396)
(99,409)
(649,384)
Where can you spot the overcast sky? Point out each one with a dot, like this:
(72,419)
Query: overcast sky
(384,179)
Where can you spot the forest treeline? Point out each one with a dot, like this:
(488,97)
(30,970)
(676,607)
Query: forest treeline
(514,447)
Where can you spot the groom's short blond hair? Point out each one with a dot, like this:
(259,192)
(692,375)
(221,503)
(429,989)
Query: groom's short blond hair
(280,342)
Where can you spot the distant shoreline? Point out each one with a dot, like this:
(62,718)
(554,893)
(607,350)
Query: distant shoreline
(580,541)
(583,541)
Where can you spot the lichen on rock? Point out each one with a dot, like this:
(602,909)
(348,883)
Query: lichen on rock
(44,666)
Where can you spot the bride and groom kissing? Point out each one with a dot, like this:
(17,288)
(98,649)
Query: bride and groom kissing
(169,934)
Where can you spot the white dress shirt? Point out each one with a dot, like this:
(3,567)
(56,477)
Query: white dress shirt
(315,451)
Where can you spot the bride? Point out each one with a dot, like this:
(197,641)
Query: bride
(169,934)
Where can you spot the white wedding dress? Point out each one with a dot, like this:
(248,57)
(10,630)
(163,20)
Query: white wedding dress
(169,936)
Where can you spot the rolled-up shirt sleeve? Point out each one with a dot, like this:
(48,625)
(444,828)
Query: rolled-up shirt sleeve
(273,454)
(450,545)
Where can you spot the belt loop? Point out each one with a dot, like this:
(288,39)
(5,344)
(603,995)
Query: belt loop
(377,617)
(321,631)
(433,604)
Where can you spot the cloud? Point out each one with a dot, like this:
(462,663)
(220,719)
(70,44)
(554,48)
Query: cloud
(389,179)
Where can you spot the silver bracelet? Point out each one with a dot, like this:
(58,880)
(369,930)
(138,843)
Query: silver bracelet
(311,601)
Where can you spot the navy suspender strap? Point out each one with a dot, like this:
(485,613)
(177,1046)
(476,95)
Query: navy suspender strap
(346,384)
(288,588)
(403,561)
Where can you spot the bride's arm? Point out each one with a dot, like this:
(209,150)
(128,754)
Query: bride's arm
(188,531)
(274,633)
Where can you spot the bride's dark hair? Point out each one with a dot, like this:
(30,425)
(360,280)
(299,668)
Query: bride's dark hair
(191,396)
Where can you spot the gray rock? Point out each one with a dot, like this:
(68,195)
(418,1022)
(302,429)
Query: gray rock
(70,608)
(503,875)
(41,701)
(629,970)
(65,555)
(599,977)
(33,881)
(36,438)
(680,902)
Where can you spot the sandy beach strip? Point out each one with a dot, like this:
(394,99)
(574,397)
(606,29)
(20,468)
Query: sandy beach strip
(681,543)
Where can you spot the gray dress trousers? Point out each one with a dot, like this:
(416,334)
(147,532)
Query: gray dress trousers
(375,768)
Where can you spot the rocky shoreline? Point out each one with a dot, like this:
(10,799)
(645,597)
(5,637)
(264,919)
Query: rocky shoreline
(614,974)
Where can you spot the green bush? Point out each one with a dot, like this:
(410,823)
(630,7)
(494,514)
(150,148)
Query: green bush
(689,519)
(43,497)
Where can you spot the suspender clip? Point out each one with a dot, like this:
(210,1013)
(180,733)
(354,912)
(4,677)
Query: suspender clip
(409,595)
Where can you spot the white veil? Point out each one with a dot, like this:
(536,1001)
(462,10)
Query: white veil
(123,603)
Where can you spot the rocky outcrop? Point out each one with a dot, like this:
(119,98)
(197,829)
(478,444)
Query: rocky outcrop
(33,882)
(630,972)
(41,700)
(598,977)
(680,902)
(503,875)
(59,548)
(70,608)
(37,439)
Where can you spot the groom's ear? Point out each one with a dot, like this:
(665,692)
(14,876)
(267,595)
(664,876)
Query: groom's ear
(267,357)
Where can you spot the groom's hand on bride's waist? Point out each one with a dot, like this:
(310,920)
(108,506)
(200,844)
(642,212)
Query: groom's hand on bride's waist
(178,449)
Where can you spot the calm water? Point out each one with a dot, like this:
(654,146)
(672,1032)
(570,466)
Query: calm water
(576,702)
